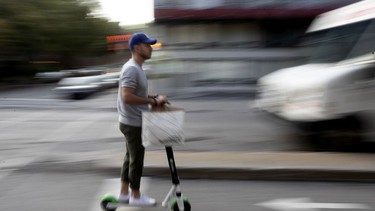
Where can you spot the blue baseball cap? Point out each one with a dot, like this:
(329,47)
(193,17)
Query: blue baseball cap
(138,38)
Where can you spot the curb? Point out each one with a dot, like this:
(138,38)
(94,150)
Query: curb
(312,175)
(256,166)
(316,175)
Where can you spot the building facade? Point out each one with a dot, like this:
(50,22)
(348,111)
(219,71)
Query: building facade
(232,40)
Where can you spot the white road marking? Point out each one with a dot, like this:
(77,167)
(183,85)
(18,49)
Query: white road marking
(306,204)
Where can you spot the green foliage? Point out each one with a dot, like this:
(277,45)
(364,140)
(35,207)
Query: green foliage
(50,30)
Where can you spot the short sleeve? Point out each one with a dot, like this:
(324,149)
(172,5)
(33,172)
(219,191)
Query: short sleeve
(129,78)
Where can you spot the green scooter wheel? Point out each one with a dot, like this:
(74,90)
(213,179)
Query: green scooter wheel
(174,206)
(106,199)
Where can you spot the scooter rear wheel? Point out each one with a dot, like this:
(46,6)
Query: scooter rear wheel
(106,199)
(104,204)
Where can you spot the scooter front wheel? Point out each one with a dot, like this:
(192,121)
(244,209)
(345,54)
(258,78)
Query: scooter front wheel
(187,206)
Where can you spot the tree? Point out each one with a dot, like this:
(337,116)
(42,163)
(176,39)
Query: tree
(49,29)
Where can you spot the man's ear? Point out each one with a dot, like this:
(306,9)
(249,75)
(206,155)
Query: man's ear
(136,48)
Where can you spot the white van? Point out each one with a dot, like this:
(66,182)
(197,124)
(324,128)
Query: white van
(332,97)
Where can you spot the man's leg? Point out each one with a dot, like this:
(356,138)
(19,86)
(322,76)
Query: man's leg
(124,191)
(136,156)
(124,188)
(125,175)
(133,164)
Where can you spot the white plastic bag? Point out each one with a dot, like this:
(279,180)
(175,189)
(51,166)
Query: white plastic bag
(163,128)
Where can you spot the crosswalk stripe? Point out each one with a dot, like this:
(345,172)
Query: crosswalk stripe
(10,119)
(47,128)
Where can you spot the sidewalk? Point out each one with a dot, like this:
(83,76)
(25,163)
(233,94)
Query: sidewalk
(292,166)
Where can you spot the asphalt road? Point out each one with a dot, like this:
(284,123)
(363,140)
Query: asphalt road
(214,120)
(225,122)
(47,143)
(25,189)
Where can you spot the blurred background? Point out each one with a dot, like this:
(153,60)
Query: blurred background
(203,47)
(205,39)
(254,77)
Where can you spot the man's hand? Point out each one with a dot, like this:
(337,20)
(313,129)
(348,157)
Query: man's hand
(161,99)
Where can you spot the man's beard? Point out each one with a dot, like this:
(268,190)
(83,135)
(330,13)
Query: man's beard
(145,56)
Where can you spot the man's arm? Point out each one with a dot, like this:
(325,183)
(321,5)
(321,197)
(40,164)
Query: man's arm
(129,97)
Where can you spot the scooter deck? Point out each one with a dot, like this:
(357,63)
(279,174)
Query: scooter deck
(113,205)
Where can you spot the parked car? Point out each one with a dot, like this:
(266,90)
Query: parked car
(110,79)
(79,87)
(50,77)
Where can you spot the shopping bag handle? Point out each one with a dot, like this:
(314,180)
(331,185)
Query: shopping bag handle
(165,107)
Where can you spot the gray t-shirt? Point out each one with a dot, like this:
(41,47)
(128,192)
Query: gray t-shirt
(132,76)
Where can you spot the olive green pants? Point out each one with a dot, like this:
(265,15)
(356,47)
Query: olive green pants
(135,152)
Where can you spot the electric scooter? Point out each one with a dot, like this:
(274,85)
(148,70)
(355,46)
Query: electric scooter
(174,199)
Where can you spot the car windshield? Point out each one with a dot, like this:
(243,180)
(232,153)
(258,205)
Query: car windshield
(340,43)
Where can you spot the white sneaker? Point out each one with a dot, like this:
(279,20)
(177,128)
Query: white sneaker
(142,201)
(124,198)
